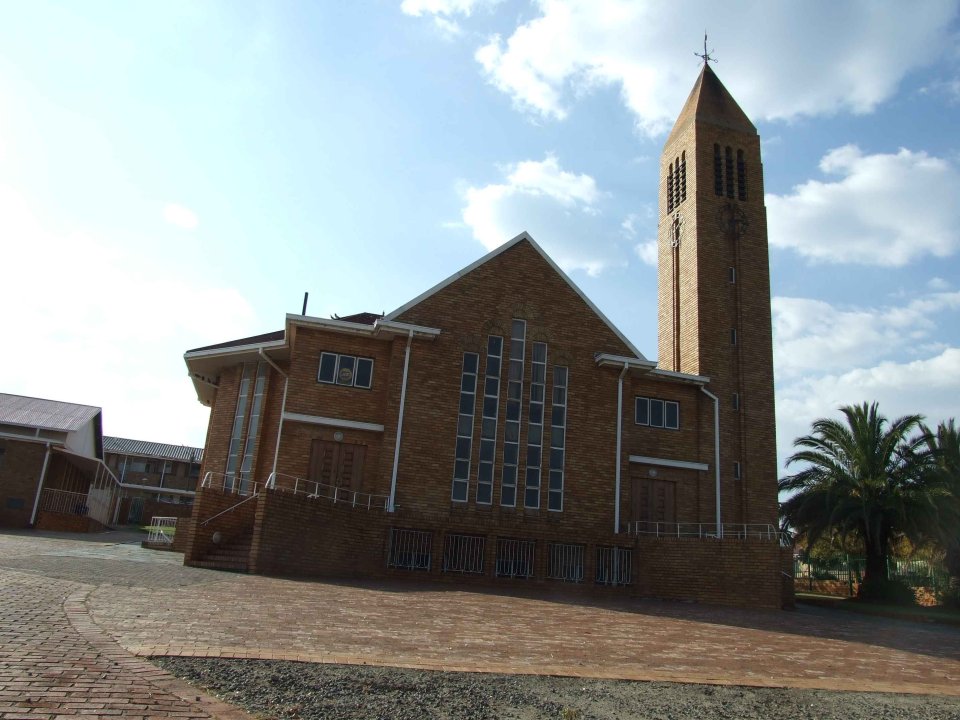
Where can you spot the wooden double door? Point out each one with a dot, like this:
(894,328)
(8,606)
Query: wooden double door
(337,464)
(654,500)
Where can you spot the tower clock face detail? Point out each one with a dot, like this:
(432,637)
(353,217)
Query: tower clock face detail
(733,220)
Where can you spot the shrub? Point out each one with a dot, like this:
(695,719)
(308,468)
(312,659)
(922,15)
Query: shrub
(892,592)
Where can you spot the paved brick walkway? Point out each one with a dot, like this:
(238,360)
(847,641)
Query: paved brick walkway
(147,603)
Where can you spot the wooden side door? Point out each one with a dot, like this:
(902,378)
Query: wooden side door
(654,500)
(337,464)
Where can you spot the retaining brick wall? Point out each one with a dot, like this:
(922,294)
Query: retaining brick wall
(231,525)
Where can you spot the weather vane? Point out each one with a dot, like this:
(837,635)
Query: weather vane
(706,55)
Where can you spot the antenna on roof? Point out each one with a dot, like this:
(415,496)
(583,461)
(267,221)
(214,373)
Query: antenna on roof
(305,296)
(706,55)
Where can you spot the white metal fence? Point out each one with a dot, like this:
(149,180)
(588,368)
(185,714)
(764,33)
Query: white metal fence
(614,566)
(353,498)
(515,558)
(464,553)
(64,502)
(162,530)
(708,531)
(409,549)
(565,562)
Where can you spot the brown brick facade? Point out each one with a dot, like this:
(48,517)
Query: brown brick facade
(20,467)
(298,535)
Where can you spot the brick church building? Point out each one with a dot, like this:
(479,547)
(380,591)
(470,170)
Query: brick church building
(498,428)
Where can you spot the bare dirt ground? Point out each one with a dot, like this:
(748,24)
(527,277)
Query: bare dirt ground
(280,689)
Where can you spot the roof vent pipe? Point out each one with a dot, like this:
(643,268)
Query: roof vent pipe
(305,296)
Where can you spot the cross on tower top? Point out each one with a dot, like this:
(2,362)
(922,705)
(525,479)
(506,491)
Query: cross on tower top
(706,55)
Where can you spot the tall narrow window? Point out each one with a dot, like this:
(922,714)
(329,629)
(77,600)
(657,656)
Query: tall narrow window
(741,176)
(728,156)
(538,380)
(468,394)
(732,274)
(670,188)
(733,336)
(717,171)
(239,417)
(736,401)
(558,428)
(511,428)
(736,470)
(253,430)
(488,424)
(683,176)
(676,182)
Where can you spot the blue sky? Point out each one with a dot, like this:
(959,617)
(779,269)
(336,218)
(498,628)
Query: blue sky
(177,174)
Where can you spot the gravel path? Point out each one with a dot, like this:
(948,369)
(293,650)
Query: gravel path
(276,689)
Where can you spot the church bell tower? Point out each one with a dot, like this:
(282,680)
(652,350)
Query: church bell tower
(713,282)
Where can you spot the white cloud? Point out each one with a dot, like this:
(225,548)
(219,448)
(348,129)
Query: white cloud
(938,283)
(180,216)
(559,208)
(927,386)
(443,12)
(107,324)
(814,336)
(839,56)
(884,209)
(647,252)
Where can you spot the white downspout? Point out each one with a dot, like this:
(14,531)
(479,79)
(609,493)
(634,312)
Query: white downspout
(283,409)
(396,450)
(43,475)
(716,450)
(616,499)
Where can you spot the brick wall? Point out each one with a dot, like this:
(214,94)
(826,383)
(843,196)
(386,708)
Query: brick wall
(60,522)
(728,572)
(231,525)
(20,468)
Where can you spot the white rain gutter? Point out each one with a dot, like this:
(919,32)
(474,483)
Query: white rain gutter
(716,451)
(396,450)
(283,407)
(616,499)
(43,475)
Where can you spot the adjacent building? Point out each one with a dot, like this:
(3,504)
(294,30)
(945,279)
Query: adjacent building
(500,428)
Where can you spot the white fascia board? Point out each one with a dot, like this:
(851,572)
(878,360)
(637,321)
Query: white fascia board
(663,462)
(679,377)
(404,328)
(636,363)
(155,489)
(31,438)
(332,422)
(497,251)
(234,350)
(331,324)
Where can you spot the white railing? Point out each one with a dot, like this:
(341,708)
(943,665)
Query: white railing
(565,562)
(64,502)
(162,530)
(410,549)
(464,553)
(515,558)
(314,490)
(614,566)
(236,483)
(707,531)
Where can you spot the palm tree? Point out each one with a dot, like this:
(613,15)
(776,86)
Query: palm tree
(864,478)
(944,477)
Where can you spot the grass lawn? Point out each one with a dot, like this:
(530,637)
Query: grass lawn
(948,616)
(166,530)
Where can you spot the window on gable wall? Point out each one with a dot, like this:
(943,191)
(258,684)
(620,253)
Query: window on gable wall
(346,370)
(654,412)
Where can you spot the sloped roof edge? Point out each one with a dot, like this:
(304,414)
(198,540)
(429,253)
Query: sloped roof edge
(494,253)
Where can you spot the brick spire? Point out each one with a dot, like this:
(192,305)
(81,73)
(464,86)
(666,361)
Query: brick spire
(710,103)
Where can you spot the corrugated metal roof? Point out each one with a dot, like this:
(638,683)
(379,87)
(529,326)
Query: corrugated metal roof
(144,448)
(47,414)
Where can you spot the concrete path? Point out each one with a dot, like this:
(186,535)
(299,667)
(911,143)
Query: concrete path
(76,613)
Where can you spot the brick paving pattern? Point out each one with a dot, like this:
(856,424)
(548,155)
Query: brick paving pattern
(73,614)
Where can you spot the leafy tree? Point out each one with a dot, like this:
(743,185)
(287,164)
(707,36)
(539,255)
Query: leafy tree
(865,478)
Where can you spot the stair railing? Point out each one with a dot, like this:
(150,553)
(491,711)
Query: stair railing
(229,509)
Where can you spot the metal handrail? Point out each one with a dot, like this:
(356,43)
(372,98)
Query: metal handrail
(314,490)
(707,531)
(229,509)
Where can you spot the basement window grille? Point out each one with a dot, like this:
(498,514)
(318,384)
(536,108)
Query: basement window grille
(614,566)
(565,562)
(515,558)
(409,549)
(463,553)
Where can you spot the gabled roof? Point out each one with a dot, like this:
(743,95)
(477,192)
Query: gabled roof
(522,237)
(45,414)
(143,448)
(711,103)
(365,318)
